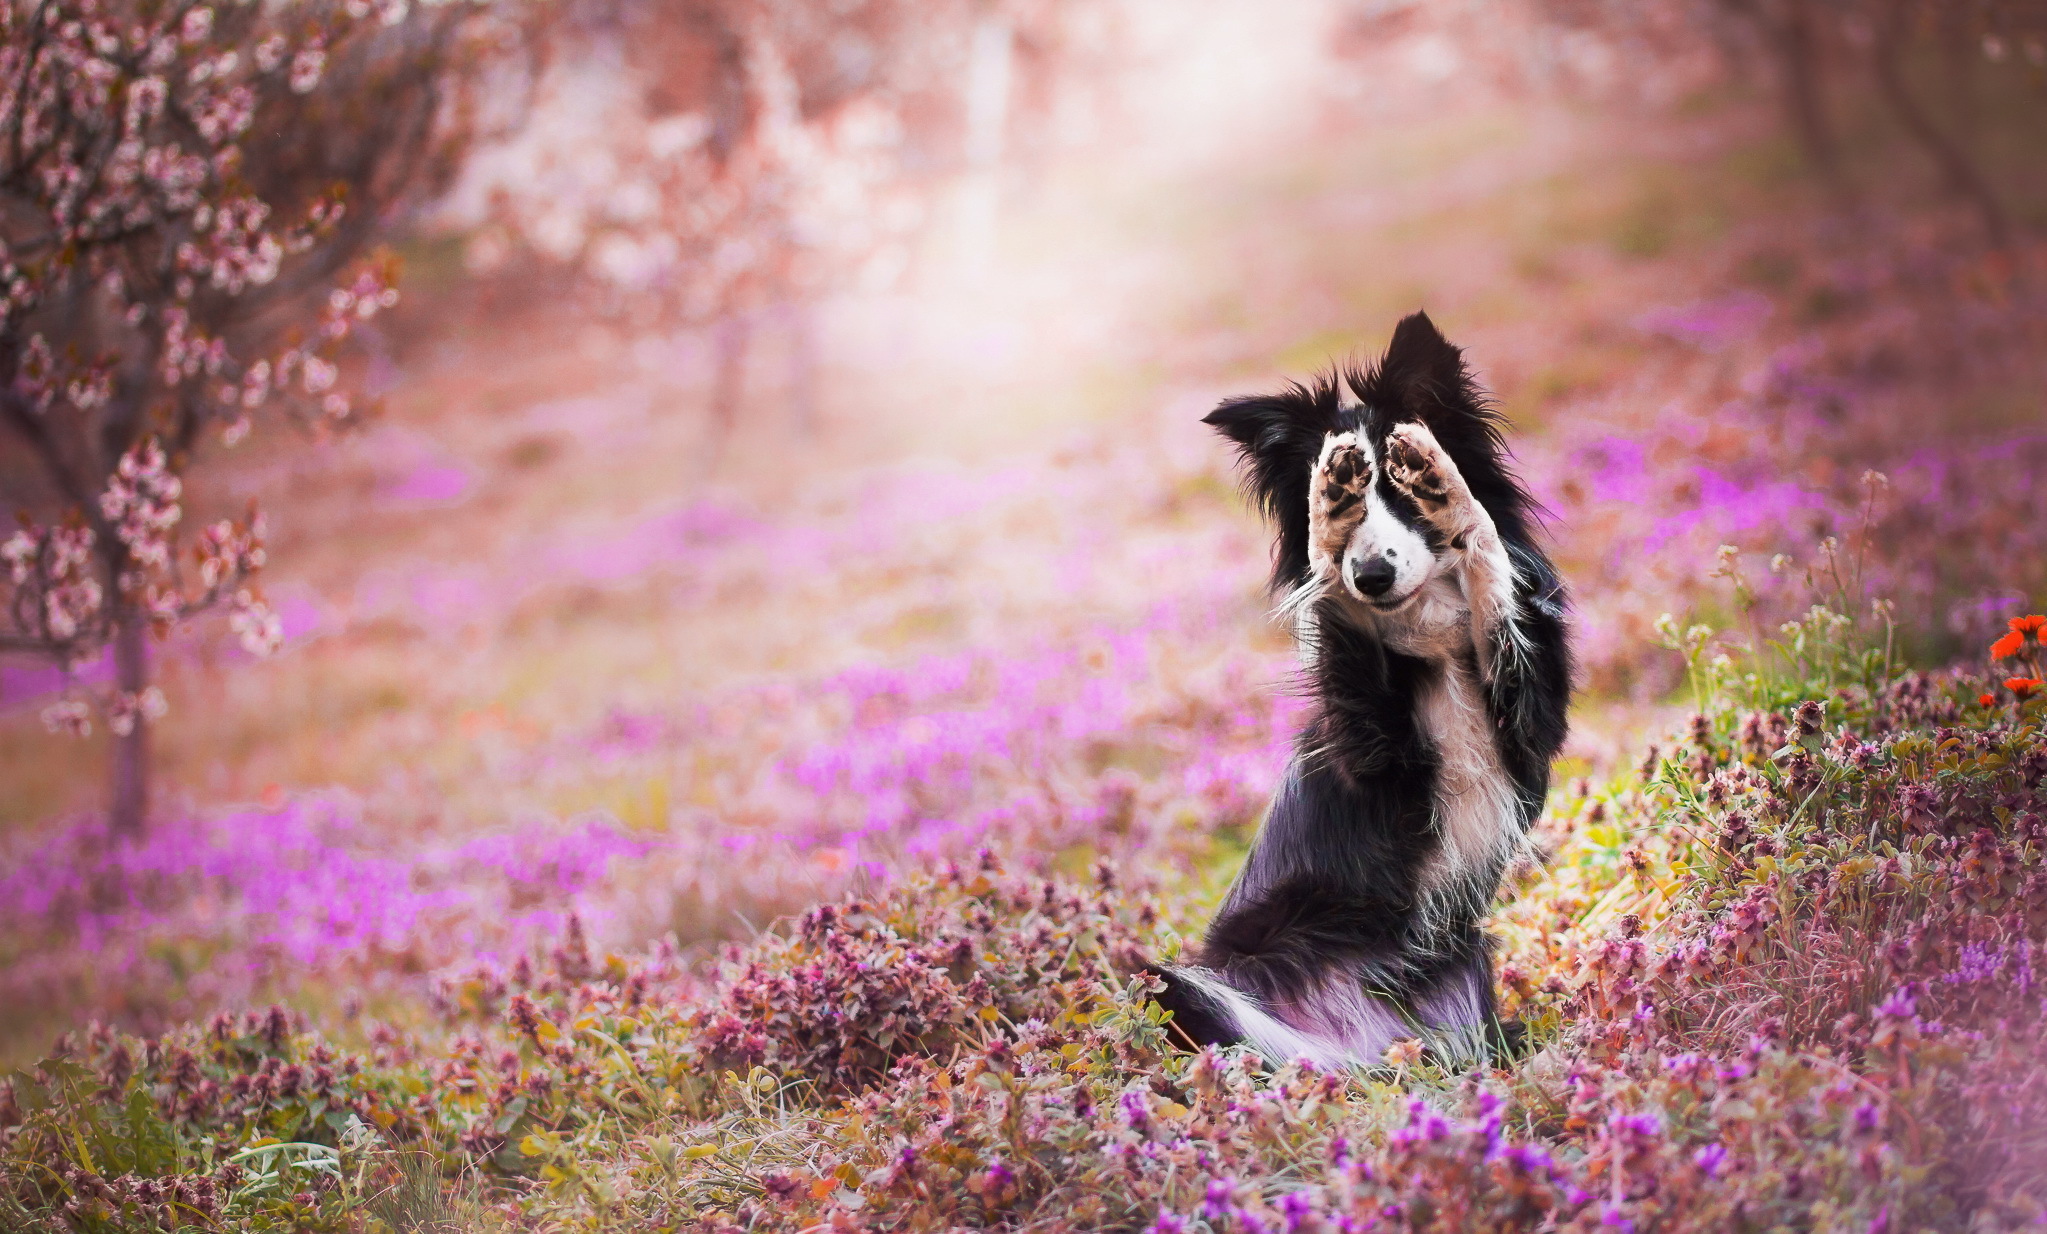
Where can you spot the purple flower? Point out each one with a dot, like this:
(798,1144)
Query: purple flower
(1530,1159)
(1903,1004)
(1710,1158)
(1297,1209)
(1136,1105)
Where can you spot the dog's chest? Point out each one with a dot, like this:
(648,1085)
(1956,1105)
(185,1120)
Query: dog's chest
(1474,807)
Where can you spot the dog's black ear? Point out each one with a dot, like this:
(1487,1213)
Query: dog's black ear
(1279,438)
(1423,377)
(1423,373)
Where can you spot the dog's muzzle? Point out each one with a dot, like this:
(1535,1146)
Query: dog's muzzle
(1372,577)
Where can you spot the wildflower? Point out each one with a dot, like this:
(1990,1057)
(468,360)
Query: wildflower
(1405,1052)
(1137,1110)
(1710,1158)
(999,1181)
(1987,700)
(2023,687)
(1903,1004)
(2014,638)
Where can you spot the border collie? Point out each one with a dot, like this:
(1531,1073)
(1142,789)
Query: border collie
(1431,629)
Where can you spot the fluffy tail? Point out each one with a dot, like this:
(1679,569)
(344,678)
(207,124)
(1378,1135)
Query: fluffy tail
(1336,1023)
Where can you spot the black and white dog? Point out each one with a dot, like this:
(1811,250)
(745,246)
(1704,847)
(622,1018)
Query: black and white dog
(1432,630)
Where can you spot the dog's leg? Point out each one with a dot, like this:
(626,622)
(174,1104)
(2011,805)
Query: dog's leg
(1336,504)
(1417,463)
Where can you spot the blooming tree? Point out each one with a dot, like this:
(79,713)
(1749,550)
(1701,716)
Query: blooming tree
(749,155)
(187,193)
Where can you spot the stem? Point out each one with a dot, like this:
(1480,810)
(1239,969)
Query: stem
(131,750)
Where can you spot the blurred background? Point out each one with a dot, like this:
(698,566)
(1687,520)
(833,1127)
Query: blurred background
(646,465)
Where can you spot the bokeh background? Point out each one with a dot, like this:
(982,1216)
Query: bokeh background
(783,467)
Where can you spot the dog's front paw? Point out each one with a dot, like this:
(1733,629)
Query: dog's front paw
(1418,466)
(1336,494)
(1342,474)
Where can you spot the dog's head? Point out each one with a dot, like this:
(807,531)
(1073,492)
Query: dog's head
(1421,378)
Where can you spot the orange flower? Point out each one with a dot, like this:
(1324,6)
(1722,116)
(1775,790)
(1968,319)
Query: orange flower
(2032,624)
(2022,686)
(2018,627)
(1987,700)
(2007,646)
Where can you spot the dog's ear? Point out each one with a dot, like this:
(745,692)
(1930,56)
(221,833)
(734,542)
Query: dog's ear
(1279,437)
(1423,374)
(1423,377)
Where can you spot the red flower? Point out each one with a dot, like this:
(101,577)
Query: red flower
(1986,699)
(2022,686)
(2017,629)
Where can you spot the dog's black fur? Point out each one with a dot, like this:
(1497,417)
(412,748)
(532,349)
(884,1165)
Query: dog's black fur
(1331,911)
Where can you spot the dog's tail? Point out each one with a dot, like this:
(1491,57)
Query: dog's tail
(1336,1024)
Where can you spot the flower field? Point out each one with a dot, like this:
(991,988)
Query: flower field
(641,830)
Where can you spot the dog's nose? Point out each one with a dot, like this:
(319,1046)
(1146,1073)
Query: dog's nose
(1373,576)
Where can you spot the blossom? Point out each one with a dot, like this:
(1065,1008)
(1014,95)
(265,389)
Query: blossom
(2014,638)
(2023,687)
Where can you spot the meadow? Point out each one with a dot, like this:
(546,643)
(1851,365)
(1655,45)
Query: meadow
(644,830)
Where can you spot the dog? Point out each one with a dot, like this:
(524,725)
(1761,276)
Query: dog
(1432,630)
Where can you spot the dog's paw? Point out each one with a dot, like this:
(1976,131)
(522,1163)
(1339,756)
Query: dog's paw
(1336,498)
(1418,466)
(1342,475)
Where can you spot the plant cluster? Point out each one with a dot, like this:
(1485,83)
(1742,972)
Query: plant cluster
(1783,973)
(1121,745)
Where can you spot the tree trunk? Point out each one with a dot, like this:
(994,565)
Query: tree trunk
(131,749)
(1959,170)
(1803,81)
(730,340)
(803,349)
(1961,58)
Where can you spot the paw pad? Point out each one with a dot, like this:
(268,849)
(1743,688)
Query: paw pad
(1344,474)
(1414,468)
